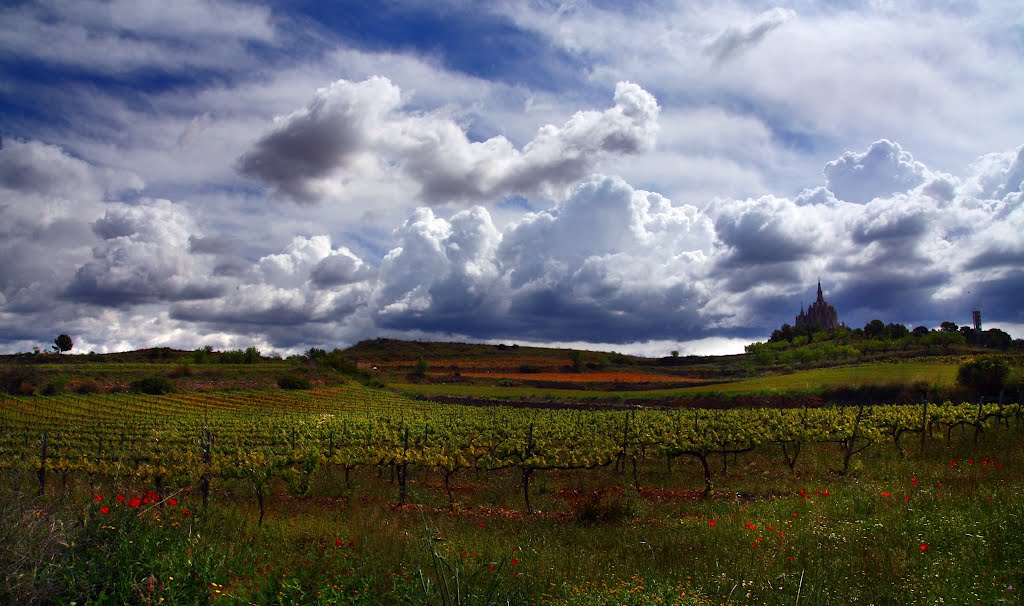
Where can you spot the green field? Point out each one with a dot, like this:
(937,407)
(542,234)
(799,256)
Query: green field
(802,382)
(340,496)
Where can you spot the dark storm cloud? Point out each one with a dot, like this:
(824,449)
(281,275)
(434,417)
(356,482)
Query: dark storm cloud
(997,257)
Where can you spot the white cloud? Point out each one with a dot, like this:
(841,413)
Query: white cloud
(884,169)
(351,129)
(127,35)
(737,39)
(142,256)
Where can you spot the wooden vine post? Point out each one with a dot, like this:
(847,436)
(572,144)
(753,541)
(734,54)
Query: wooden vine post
(41,474)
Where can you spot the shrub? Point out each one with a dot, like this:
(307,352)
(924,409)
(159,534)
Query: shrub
(87,386)
(293,382)
(985,374)
(20,380)
(56,386)
(154,386)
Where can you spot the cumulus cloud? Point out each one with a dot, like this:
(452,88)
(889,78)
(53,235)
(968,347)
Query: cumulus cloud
(735,40)
(306,283)
(607,262)
(354,129)
(884,169)
(142,257)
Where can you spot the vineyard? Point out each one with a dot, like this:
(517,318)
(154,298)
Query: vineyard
(189,440)
(328,495)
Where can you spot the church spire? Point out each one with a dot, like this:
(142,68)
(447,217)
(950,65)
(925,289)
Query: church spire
(820,297)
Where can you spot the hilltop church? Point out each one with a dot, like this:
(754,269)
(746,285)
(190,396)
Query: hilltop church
(819,316)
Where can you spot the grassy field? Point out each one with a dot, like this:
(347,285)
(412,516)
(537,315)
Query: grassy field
(903,527)
(804,382)
(944,528)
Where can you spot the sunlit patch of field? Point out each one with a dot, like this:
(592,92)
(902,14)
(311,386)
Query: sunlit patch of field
(584,377)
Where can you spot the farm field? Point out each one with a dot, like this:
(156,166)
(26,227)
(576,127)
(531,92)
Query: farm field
(352,495)
(814,381)
(587,377)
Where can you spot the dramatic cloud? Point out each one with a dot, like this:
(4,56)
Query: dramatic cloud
(641,175)
(354,128)
(607,259)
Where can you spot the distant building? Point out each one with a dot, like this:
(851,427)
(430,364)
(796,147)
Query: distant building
(819,316)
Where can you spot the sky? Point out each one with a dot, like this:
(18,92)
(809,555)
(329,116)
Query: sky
(634,177)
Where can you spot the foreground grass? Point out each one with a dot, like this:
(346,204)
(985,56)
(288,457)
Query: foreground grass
(946,527)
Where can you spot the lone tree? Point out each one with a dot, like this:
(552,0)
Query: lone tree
(63,343)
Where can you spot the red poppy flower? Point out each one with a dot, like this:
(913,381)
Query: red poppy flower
(490,568)
(98,498)
(338,543)
(886,494)
(924,547)
(711,523)
(462,553)
(186,513)
(120,498)
(172,501)
(514,561)
(135,502)
(104,510)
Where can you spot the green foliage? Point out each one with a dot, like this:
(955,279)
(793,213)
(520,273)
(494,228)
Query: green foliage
(203,355)
(63,343)
(293,381)
(250,355)
(576,360)
(152,385)
(452,579)
(985,374)
(421,368)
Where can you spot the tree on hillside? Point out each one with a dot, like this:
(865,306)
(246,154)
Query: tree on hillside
(996,339)
(874,329)
(63,343)
(896,331)
(949,327)
(920,331)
